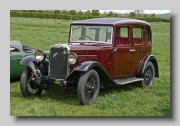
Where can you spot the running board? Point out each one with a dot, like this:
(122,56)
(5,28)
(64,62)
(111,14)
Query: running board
(128,80)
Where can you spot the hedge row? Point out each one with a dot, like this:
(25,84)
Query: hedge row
(50,15)
(154,19)
(74,17)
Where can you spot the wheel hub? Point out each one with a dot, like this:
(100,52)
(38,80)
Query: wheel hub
(90,88)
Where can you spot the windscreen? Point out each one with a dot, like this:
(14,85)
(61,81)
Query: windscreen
(101,34)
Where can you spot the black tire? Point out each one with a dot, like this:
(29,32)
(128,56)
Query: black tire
(148,75)
(27,88)
(88,87)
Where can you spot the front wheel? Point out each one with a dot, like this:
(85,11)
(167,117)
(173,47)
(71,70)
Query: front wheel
(88,87)
(148,75)
(27,86)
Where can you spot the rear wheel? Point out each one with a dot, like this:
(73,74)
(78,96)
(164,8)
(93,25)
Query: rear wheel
(27,86)
(88,87)
(148,75)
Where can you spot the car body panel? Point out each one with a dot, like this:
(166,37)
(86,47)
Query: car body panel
(94,52)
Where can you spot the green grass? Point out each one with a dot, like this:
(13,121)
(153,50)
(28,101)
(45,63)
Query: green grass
(127,100)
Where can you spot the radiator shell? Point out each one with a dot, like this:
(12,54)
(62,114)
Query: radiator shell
(58,63)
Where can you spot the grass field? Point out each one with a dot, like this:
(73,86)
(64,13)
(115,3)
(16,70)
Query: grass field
(127,100)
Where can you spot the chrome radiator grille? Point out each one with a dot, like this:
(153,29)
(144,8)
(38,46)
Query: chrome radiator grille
(58,63)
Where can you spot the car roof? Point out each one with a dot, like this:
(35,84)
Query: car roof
(111,21)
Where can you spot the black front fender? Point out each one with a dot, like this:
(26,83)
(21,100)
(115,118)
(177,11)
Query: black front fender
(29,61)
(85,66)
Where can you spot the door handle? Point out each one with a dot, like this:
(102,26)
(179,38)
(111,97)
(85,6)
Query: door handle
(114,51)
(132,50)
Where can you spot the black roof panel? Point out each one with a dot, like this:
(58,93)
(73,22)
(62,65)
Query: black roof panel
(107,21)
(104,20)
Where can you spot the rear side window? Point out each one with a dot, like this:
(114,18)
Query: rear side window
(137,33)
(148,36)
(137,36)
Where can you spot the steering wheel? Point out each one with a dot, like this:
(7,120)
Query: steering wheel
(86,37)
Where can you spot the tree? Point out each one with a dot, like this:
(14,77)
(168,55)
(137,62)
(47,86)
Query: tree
(57,11)
(64,12)
(80,12)
(72,12)
(49,11)
(110,14)
(132,14)
(32,10)
(152,15)
(115,14)
(40,11)
(88,13)
(145,15)
(95,12)
(138,11)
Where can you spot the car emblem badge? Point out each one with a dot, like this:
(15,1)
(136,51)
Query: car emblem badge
(64,52)
(41,65)
(55,54)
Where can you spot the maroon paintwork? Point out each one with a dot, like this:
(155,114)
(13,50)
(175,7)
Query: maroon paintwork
(123,62)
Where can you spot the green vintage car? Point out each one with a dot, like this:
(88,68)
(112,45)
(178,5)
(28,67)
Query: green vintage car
(17,52)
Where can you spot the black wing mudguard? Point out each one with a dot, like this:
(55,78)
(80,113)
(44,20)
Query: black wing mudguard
(29,61)
(33,64)
(146,59)
(85,66)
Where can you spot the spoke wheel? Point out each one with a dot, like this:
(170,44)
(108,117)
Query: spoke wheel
(148,75)
(27,87)
(88,87)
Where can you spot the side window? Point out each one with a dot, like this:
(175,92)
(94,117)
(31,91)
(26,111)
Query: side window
(124,32)
(148,36)
(137,36)
(122,36)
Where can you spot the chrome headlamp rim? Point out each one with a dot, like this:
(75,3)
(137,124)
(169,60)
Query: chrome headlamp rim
(73,57)
(40,55)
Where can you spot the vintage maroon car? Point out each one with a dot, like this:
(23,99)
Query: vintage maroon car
(99,52)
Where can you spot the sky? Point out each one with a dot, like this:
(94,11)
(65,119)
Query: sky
(145,11)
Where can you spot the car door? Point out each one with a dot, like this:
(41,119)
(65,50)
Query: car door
(122,55)
(139,50)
